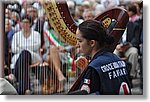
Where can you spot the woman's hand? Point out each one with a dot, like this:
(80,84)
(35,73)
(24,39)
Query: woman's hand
(81,63)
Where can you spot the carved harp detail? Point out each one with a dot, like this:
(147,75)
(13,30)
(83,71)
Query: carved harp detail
(59,21)
(114,20)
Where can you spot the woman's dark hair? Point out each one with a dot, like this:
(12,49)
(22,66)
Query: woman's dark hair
(93,30)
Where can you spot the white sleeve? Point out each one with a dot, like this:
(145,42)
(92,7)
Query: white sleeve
(15,44)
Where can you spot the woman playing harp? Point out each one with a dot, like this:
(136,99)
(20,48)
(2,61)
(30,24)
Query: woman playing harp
(106,73)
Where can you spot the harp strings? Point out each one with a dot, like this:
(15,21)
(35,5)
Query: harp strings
(42,77)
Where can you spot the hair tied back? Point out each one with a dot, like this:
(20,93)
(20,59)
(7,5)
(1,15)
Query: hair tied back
(109,39)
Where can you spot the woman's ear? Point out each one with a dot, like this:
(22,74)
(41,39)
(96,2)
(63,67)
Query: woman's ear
(92,43)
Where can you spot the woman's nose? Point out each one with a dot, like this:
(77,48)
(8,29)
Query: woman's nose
(77,45)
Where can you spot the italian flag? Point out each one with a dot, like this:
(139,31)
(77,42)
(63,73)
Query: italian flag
(52,38)
(50,34)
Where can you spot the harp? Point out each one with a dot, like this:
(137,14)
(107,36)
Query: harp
(113,20)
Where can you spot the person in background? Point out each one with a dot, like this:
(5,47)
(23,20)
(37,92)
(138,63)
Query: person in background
(99,8)
(26,48)
(109,4)
(9,32)
(37,22)
(129,43)
(88,14)
(16,21)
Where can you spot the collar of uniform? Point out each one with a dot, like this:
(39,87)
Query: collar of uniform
(98,54)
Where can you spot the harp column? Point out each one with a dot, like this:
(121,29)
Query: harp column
(1,39)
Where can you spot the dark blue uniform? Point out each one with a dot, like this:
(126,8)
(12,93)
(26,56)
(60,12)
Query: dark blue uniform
(106,74)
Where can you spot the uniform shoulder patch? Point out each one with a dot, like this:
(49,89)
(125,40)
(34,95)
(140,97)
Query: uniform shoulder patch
(86,81)
(85,87)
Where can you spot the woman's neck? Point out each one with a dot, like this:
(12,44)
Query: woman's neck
(26,33)
(94,52)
